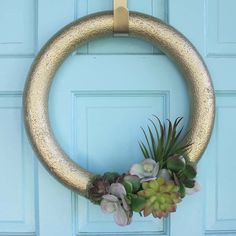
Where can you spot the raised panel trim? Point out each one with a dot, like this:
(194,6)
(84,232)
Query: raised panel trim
(121,93)
(215,225)
(18,234)
(220,232)
(25,226)
(214,46)
(21,52)
(75,203)
(78,201)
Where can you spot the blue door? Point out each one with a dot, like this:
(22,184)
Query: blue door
(100,97)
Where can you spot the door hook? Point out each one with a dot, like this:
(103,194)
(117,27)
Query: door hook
(121,17)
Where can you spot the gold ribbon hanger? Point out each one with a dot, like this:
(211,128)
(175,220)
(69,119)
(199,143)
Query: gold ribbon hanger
(121,17)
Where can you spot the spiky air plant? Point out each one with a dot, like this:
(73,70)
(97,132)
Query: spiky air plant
(165,142)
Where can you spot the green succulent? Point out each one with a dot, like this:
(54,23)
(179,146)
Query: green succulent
(164,142)
(185,178)
(131,183)
(160,197)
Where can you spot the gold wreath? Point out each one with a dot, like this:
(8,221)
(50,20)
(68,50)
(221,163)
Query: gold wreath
(165,37)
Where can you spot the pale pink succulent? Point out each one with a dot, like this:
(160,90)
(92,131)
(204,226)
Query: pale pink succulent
(115,202)
(146,170)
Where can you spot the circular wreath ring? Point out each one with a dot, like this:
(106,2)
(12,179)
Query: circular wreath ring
(165,37)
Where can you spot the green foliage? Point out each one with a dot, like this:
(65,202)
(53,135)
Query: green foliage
(189,183)
(175,164)
(182,190)
(186,177)
(137,203)
(164,142)
(128,186)
(132,183)
(190,172)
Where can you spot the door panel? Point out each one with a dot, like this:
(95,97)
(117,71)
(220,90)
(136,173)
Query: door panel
(100,97)
(16,169)
(104,117)
(18,28)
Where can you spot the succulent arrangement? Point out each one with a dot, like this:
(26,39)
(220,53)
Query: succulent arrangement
(155,185)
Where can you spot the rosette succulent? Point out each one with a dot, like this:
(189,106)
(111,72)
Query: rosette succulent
(161,197)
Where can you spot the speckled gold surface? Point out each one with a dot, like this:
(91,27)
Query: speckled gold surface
(79,32)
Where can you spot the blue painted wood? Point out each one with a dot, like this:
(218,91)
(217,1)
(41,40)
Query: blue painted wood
(18,27)
(100,97)
(221,39)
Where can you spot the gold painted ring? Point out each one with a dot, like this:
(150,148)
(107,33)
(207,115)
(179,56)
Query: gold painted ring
(165,37)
